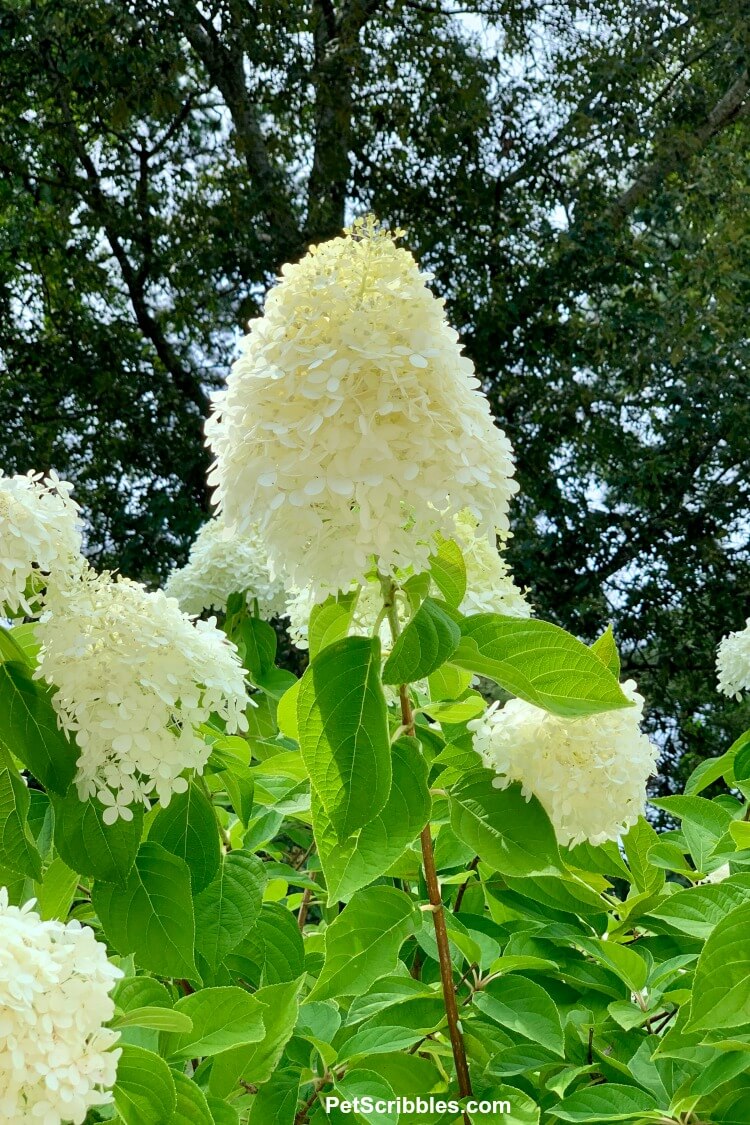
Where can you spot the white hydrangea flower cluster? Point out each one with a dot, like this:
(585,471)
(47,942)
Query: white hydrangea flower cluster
(489,589)
(733,662)
(353,422)
(367,608)
(589,773)
(489,584)
(134,678)
(38,533)
(223,563)
(56,1057)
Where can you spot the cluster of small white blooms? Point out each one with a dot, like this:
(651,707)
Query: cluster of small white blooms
(38,532)
(353,422)
(134,677)
(489,584)
(733,662)
(367,608)
(56,1057)
(589,773)
(223,563)
(489,589)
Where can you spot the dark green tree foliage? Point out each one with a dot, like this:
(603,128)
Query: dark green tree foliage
(575,175)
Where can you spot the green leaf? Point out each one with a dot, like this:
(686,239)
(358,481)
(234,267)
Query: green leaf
(736,1112)
(721,987)
(56,890)
(152,915)
(637,843)
(459,711)
(425,644)
(538,662)
(25,638)
(256,1063)
(257,643)
(17,848)
(448,683)
(520,1058)
(395,1027)
(229,907)
(627,963)
(10,648)
(273,951)
(604,859)
(145,1091)
(222,1018)
(721,1070)
(330,621)
(703,824)
(187,828)
(519,1109)
(741,764)
(361,1084)
(343,729)
(138,992)
(276,1101)
(698,910)
(156,1017)
(698,810)
(192,1107)
(561,893)
(362,943)
(448,571)
(706,773)
(523,1007)
(367,854)
(231,756)
(102,851)
(512,835)
(221,1112)
(286,712)
(606,649)
(28,728)
(670,857)
(608,1102)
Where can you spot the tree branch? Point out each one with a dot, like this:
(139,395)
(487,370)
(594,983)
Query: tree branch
(337,51)
(680,149)
(225,66)
(184,380)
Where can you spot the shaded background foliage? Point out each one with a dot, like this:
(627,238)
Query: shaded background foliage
(574,174)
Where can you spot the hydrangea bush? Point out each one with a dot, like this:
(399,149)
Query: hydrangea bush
(231,896)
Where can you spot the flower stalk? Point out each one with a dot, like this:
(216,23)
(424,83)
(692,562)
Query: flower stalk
(433,886)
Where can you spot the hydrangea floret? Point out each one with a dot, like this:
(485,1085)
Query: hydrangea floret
(39,536)
(589,773)
(134,678)
(353,422)
(56,1056)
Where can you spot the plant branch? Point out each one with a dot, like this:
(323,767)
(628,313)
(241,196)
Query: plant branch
(675,154)
(462,889)
(433,886)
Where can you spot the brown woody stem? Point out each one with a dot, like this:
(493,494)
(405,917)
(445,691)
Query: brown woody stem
(433,887)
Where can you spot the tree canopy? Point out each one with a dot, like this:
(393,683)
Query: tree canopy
(573,174)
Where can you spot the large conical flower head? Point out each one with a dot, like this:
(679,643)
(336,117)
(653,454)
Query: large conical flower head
(352,427)
(134,679)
